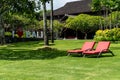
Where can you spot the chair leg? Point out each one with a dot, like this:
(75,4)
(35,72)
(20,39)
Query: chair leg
(68,54)
(111,53)
(99,55)
(84,55)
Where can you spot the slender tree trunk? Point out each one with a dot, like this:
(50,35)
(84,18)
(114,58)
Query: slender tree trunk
(85,37)
(76,34)
(100,20)
(101,27)
(116,17)
(2,33)
(51,22)
(106,15)
(104,18)
(111,20)
(46,41)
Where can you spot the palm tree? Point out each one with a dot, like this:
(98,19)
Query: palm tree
(46,41)
(52,37)
(97,7)
(108,6)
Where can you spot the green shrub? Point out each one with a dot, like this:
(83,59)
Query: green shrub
(98,38)
(16,35)
(108,35)
(24,34)
(8,34)
(116,32)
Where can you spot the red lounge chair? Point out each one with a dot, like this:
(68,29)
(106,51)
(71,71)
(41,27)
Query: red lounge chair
(102,47)
(86,46)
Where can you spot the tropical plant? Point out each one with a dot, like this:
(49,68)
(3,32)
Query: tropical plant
(107,6)
(115,19)
(108,35)
(51,22)
(14,6)
(46,42)
(58,27)
(85,23)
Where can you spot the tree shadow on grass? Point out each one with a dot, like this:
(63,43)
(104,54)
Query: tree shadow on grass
(42,53)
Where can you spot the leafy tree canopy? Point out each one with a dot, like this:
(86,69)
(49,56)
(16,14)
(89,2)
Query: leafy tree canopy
(101,4)
(85,23)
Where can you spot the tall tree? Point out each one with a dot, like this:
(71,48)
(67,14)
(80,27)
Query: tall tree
(52,37)
(4,8)
(14,6)
(58,27)
(85,23)
(107,6)
(97,7)
(46,41)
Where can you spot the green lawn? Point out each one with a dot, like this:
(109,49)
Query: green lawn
(30,61)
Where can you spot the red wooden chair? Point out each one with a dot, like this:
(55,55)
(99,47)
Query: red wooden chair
(102,47)
(86,46)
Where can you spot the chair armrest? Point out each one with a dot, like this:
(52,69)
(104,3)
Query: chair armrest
(104,50)
(88,50)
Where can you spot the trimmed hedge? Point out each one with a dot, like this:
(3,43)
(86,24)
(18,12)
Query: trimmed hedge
(108,35)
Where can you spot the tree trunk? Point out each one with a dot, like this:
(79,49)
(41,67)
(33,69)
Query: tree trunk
(110,21)
(100,20)
(117,19)
(51,22)
(76,34)
(101,26)
(85,37)
(106,15)
(46,42)
(2,33)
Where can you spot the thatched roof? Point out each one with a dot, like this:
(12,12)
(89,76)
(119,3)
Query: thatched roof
(75,7)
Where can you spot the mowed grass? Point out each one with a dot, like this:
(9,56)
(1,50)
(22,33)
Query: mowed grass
(30,61)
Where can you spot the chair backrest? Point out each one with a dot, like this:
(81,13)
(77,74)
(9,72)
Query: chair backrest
(103,45)
(88,45)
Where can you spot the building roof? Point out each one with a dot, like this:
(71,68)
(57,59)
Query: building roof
(76,7)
